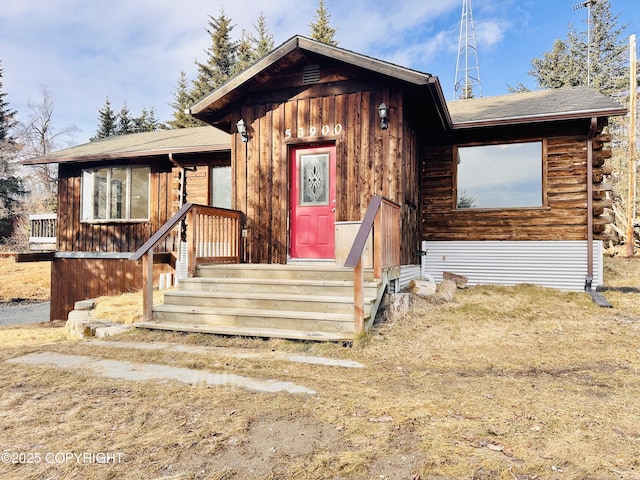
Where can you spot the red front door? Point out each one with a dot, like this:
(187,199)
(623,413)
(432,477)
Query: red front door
(313,202)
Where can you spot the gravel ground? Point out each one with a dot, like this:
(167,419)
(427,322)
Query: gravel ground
(23,313)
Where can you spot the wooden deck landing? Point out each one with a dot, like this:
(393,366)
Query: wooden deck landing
(238,331)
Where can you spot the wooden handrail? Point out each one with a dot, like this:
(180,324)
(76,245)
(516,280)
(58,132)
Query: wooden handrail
(383,218)
(363,232)
(216,240)
(162,232)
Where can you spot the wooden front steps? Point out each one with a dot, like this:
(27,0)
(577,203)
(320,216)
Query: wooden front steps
(281,301)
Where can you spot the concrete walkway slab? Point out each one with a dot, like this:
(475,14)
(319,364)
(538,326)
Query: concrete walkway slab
(228,352)
(146,372)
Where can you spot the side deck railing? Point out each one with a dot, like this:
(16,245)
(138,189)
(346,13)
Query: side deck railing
(213,235)
(383,218)
(42,231)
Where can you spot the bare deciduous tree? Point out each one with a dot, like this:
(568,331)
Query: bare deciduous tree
(39,137)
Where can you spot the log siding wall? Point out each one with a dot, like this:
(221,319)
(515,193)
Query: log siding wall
(563,216)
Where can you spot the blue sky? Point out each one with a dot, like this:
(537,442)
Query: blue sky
(133,50)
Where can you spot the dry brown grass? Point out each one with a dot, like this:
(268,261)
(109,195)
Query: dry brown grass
(39,334)
(503,383)
(621,271)
(125,308)
(24,281)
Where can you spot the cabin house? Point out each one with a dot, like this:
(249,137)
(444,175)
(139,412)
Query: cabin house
(331,177)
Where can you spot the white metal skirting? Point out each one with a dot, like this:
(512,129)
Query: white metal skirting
(182,263)
(408,273)
(557,264)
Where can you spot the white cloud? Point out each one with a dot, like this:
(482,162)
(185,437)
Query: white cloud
(490,32)
(130,51)
(134,50)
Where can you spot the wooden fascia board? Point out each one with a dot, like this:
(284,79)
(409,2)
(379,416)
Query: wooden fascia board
(552,117)
(126,155)
(368,63)
(243,77)
(440,103)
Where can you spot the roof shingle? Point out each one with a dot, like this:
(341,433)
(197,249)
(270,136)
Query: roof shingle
(183,140)
(552,104)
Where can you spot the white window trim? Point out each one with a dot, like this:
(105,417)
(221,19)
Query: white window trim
(127,218)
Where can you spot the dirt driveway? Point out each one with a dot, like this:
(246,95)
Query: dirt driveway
(23,313)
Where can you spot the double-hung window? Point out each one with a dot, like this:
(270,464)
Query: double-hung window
(115,194)
(500,176)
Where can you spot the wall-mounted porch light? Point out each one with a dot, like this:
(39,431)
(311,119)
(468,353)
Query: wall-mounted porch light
(242,130)
(383,111)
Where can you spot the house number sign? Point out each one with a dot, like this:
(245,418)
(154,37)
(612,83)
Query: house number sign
(313,131)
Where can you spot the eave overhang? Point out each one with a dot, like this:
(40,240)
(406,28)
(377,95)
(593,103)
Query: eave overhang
(184,141)
(552,117)
(127,155)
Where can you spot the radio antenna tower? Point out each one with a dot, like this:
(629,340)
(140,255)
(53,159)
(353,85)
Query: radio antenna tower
(579,6)
(467,66)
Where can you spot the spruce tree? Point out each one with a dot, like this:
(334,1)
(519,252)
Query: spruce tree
(124,121)
(246,54)
(147,121)
(108,121)
(7,117)
(11,185)
(226,58)
(598,59)
(182,100)
(263,41)
(608,57)
(221,57)
(556,68)
(320,28)
(252,48)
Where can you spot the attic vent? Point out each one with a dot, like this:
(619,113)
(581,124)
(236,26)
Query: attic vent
(310,74)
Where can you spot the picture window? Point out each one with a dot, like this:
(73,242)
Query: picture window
(499,176)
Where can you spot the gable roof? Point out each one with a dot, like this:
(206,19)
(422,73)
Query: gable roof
(296,50)
(135,145)
(540,106)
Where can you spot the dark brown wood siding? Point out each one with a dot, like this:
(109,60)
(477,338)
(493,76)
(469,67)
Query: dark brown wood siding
(74,279)
(564,183)
(77,236)
(81,278)
(370,161)
(411,197)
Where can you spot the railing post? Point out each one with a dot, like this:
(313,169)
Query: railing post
(358,297)
(147,286)
(192,238)
(378,242)
(239,251)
